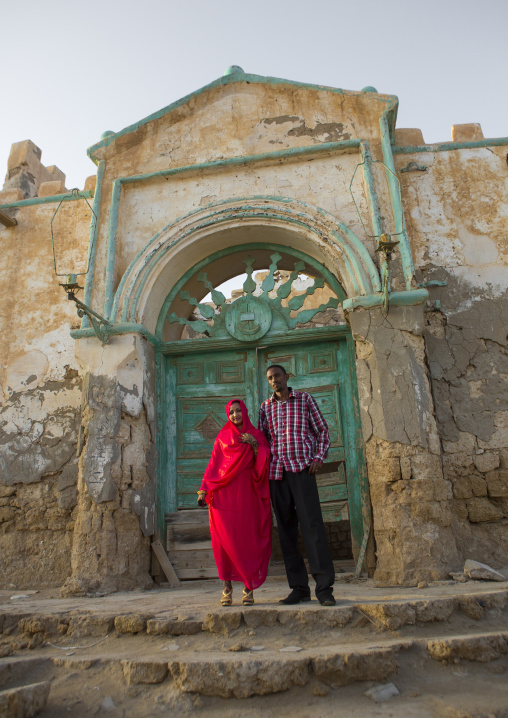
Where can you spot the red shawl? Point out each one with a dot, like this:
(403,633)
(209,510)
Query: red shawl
(238,495)
(230,455)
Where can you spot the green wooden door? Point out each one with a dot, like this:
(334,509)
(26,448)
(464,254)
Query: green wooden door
(323,370)
(204,383)
(199,385)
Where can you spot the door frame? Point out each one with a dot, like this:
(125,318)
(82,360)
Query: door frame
(358,491)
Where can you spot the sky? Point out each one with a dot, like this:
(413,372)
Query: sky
(73,70)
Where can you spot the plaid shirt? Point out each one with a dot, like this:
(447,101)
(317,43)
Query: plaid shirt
(296,430)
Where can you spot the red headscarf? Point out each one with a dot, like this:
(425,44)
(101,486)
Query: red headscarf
(230,455)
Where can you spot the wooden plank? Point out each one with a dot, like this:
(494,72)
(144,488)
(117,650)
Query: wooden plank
(187,574)
(187,534)
(6,219)
(165,563)
(188,516)
(361,554)
(200,558)
(194,546)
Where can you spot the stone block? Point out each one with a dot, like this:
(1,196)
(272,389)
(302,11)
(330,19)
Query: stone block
(55,173)
(24,701)
(459,506)
(168,626)
(144,671)
(409,137)
(367,664)
(465,444)
(384,470)
(239,678)
(497,484)
(131,623)
(470,132)
(482,572)
(481,509)
(90,183)
(432,512)
(478,485)
(422,489)
(405,468)
(48,189)
(23,153)
(486,462)
(426,466)
(11,195)
(482,648)
(222,622)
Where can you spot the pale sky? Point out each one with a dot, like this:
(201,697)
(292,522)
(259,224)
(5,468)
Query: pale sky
(71,70)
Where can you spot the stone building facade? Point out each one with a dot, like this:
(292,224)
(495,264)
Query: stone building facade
(248,164)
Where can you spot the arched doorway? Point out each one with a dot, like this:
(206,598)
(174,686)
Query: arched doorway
(219,349)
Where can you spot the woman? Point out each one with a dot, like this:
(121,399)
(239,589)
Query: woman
(235,487)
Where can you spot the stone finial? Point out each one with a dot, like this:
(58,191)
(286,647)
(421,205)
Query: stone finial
(90,183)
(25,170)
(233,69)
(53,187)
(467,133)
(409,137)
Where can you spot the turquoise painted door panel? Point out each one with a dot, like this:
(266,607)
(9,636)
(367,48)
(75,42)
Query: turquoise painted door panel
(204,385)
(314,368)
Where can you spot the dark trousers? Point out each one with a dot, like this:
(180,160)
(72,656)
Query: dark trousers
(295,500)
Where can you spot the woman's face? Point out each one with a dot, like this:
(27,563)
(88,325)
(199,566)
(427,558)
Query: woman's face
(235,413)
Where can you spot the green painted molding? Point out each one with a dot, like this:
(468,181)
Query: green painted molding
(394,188)
(92,242)
(55,198)
(295,336)
(290,153)
(236,77)
(448,146)
(397,299)
(118,329)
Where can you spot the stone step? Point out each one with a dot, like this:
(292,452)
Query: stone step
(382,614)
(240,674)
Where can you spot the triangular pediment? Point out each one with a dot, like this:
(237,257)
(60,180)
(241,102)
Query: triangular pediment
(308,114)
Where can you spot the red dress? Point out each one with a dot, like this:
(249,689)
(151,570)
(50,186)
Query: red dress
(238,496)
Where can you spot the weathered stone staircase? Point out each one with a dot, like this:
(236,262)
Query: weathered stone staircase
(182,642)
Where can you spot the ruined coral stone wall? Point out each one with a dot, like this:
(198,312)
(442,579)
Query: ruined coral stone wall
(456,217)
(40,389)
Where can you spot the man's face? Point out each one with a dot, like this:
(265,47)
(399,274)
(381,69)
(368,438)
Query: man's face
(277,379)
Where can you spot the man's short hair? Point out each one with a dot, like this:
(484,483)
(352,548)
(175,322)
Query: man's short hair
(276,366)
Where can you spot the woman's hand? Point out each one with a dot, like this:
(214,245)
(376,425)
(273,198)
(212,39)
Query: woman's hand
(249,439)
(201,498)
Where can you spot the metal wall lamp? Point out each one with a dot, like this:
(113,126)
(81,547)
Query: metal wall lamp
(71,286)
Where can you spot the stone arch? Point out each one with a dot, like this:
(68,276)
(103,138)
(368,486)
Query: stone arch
(278,220)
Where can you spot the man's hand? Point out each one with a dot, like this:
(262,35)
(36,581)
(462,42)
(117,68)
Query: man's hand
(314,467)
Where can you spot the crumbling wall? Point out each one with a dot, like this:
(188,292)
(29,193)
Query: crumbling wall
(456,217)
(115,515)
(411,499)
(40,389)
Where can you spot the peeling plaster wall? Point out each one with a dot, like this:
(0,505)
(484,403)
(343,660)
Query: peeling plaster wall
(116,501)
(40,398)
(410,497)
(457,217)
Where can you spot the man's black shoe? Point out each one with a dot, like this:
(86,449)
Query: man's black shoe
(295,597)
(327,599)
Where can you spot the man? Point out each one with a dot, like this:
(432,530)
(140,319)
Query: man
(299,439)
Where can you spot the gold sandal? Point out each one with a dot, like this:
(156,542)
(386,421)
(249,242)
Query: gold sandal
(227,594)
(247,596)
